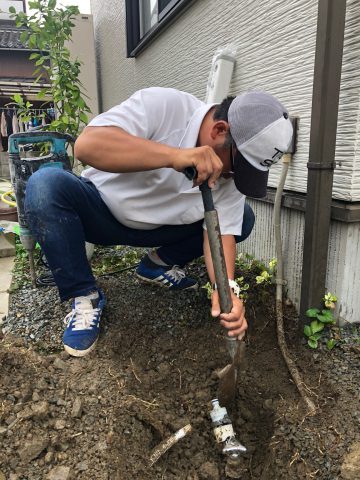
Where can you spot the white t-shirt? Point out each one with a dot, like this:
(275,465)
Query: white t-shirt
(150,199)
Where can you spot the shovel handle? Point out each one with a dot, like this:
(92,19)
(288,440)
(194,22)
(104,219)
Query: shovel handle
(217,254)
(216,249)
(215,242)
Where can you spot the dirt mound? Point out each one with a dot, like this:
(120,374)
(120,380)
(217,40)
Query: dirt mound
(153,372)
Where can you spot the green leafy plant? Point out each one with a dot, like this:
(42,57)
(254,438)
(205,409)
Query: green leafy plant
(208,288)
(243,287)
(110,259)
(22,107)
(257,275)
(321,321)
(47,30)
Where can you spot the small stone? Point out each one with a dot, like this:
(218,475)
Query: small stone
(49,457)
(76,408)
(101,446)
(268,404)
(35,397)
(26,413)
(32,449)
(110,437)
(41,384)
(40,409)
(59,424)
(10,420)
(61,456)
(82,466)
(59,473)
(209,471)
(59,364)
(350,469)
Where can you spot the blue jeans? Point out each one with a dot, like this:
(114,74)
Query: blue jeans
(63,211)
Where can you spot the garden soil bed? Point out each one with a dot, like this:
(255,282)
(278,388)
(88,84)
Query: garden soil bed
(153,371)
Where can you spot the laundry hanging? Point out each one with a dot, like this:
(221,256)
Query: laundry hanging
(10,122)
(3,128)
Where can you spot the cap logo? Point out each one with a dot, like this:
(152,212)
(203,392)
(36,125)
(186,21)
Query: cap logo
(274,159)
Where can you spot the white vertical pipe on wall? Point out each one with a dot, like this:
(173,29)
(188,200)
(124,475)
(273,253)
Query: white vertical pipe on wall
(220,74)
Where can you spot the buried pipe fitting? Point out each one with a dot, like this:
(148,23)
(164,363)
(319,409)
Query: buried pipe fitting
(224,433)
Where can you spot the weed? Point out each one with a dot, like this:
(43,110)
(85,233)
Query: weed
(322,321)
(255,276)
(107,260)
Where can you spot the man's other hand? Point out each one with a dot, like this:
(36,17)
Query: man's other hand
(234,321)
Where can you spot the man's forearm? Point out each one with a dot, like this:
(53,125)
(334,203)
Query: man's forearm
(113,150)
(229,246)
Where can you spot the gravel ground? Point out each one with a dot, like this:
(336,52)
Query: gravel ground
(99,417)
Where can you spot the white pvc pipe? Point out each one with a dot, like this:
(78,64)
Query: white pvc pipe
(220,74)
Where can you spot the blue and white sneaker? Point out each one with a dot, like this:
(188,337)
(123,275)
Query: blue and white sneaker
(171,277)
(83,324)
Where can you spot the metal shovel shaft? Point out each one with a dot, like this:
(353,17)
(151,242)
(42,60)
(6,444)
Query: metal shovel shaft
(218,258)
(221,277)
(227,386)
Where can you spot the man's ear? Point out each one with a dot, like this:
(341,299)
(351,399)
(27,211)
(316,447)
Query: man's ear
(219,129)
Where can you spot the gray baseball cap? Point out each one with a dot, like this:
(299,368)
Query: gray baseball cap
(262,131)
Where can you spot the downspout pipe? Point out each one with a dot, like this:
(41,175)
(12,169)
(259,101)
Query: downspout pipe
(325,104)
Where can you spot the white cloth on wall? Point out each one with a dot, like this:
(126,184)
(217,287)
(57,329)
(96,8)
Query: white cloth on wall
(3,127)
(15,123)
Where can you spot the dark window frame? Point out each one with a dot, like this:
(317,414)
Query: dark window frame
(135,44)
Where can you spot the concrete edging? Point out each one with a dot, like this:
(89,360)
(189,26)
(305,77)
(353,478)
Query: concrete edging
(6,267)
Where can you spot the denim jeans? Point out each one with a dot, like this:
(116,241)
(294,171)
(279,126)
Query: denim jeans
(63,211)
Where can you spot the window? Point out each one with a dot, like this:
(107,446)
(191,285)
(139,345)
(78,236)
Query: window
(146,18)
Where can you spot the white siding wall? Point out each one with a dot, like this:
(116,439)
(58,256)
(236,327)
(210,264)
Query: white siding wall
(343,273)
(261,243)
(276,45)
(343,277)
(276,48)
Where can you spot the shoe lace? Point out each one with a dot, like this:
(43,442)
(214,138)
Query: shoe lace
(176,273)
(82,316)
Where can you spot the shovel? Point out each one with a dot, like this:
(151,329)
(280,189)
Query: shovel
(236,348)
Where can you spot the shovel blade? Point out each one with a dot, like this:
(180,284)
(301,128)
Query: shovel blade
(227,386)
(228,377)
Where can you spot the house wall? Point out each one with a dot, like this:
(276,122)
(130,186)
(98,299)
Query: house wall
(343,271)
(275,51)
(16,64)
(82,46)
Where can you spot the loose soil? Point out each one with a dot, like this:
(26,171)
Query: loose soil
(153,372)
